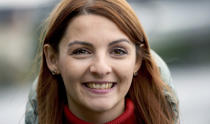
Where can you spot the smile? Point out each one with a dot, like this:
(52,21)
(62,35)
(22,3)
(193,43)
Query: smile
(99,85)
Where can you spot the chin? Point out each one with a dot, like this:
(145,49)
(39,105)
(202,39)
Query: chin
(100,106)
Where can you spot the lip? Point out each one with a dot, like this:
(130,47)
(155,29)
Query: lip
(99,91)
(99,82)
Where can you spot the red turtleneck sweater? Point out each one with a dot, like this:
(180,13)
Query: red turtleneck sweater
(127,117)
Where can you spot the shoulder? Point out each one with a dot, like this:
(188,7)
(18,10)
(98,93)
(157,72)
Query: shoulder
(163,68)
(31,115)
(166,77)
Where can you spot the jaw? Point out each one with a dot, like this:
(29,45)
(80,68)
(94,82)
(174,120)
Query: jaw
(99,110)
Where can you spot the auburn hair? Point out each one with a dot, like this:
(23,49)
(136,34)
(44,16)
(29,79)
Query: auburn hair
(146,91)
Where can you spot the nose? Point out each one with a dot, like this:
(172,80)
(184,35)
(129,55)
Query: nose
(100,67)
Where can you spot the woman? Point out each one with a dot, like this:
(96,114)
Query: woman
(97,67)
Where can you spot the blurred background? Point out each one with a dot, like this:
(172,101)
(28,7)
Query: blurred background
(178,30)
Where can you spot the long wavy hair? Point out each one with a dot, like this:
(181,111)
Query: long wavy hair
(146,91)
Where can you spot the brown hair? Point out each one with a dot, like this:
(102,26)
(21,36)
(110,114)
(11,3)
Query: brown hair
(146,90)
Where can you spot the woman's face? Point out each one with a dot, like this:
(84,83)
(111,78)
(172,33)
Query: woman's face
(96,61)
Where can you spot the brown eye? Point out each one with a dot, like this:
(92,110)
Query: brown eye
(80,51)
(119,51)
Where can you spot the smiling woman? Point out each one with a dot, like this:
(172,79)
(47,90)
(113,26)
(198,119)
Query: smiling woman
(97,67)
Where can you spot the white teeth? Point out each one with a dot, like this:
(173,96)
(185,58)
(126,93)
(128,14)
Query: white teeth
(107,85)
(99,86)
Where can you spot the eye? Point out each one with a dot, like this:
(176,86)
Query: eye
(80,51)
(119,51)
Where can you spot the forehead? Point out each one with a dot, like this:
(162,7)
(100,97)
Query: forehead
(91,20)
(93,27)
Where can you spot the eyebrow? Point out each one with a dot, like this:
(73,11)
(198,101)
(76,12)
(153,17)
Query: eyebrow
(118,41)
(89,44)
(80,42)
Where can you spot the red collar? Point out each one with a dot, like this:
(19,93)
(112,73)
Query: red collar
(127,117)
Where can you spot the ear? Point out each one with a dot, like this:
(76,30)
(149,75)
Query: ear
(137,64)
(51,58)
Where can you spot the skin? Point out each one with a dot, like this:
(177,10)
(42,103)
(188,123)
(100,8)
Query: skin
(94,49)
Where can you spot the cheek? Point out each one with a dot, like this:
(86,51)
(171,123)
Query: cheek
(125,70)
(125,76)
(72,71)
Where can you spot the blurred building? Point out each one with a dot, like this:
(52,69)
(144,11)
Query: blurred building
(178,30)
(20,22)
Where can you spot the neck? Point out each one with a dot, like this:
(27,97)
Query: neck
(127,117)
(98,116)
